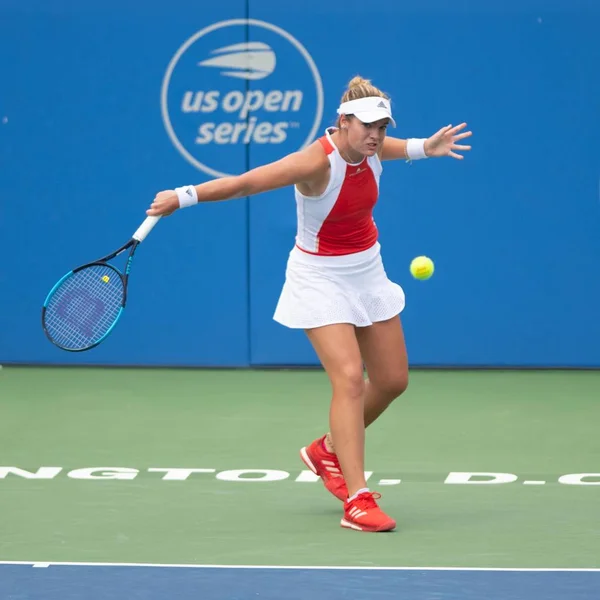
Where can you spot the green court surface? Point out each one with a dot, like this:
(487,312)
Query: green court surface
(247,426)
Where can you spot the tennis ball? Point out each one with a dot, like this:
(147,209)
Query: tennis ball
(422,267)
(106,278)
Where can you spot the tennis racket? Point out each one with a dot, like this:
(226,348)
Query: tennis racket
(84,306)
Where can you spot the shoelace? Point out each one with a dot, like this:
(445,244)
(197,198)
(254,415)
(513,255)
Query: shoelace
(366,500)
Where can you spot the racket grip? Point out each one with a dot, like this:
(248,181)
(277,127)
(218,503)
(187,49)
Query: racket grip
(145,228)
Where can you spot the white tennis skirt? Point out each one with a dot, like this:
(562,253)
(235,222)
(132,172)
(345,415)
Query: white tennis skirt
(323,290)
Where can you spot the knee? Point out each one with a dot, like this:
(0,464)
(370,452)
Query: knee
(350,380)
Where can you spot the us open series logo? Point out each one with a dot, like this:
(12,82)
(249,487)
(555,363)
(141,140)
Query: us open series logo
(240,82)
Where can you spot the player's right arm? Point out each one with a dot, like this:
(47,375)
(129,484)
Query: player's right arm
(300,167)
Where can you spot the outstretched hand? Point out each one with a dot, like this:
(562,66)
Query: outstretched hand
(443,143)
(164,204)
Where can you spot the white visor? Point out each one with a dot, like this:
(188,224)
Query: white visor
(368,110)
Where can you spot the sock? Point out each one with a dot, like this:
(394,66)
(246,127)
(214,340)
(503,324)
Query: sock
(357,493)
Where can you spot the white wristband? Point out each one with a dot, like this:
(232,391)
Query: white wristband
(415,148)
(187,196)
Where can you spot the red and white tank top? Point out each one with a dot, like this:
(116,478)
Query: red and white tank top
(340,220)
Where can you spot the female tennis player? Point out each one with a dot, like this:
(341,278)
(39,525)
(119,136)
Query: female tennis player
(336,288)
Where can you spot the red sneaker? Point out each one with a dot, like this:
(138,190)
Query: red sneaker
(326,466)
(363,514)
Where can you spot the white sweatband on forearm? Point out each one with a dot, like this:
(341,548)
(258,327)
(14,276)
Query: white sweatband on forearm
(415,148)
(187,196)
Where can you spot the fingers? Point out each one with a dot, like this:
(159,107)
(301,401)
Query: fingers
(154,212)
(457,128)
(462,136)
(444,141)
(454,129)
(159,208)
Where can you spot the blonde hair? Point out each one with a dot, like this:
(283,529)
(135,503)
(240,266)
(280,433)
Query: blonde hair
(359,87)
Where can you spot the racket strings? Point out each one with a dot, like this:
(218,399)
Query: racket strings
(84,307)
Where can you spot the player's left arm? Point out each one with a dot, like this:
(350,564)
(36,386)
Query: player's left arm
(442,143)
(393,149)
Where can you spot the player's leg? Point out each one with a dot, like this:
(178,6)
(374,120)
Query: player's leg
(338,350)
(383,350)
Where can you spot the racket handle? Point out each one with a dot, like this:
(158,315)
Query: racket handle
(145,228)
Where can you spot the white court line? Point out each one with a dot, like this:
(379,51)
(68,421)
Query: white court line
(298,567)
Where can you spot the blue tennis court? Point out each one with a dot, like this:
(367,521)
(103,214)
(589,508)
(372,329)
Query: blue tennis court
(37,581)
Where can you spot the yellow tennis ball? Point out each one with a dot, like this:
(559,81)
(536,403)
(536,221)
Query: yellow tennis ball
(106,279)
(422,267)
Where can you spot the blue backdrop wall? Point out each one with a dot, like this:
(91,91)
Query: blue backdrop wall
(104,104)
